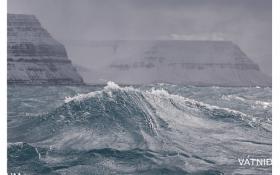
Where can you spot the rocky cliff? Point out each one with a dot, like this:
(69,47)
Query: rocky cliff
(202,63)
(34,56)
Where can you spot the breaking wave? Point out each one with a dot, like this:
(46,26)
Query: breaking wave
(116,125)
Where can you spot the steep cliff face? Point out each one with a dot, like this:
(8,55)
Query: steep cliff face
(34,57)
(203,63)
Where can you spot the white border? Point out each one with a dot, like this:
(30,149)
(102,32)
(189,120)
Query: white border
(275,77)
(3,87)
(276,87)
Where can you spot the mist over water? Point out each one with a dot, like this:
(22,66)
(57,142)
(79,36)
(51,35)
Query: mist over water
(76,23)
(152,129)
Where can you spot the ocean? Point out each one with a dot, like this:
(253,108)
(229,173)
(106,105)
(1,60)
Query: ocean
(152,129)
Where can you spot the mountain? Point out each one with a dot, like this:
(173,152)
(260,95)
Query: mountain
(34,56)
(201,63)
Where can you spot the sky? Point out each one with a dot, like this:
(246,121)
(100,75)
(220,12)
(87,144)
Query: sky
(245,22)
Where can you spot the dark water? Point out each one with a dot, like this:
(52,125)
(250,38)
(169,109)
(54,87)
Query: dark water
(155,129)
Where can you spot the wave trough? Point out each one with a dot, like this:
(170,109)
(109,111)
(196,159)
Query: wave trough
(140,130)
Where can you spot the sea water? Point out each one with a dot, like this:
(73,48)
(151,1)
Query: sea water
(151,129)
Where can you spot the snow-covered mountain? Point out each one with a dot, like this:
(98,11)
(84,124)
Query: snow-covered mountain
(203,63)
(34,56)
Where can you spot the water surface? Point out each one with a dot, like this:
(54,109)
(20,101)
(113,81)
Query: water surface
(153,129)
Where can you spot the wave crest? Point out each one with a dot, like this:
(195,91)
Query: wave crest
(128,117)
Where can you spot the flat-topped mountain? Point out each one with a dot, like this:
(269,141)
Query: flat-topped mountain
(34,56)
(202,63)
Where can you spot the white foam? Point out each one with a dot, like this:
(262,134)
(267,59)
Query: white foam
(107,89)
(15,144)
(264,104)
(111,85)
(81,97)
(157,93)
(195,103)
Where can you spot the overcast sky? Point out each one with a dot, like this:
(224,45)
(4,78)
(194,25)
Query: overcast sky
(245,22)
